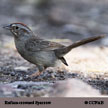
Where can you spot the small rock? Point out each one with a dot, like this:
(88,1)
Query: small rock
(21,68)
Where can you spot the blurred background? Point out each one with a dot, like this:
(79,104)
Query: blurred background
(66,19)
(63,21)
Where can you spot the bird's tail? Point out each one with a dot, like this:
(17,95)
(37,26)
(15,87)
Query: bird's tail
(61,52)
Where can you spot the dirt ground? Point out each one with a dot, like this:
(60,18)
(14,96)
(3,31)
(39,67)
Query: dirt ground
(63,21)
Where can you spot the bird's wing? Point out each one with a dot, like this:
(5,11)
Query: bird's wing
(34,44)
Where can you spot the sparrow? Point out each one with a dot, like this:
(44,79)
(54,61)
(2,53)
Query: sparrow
(42,53)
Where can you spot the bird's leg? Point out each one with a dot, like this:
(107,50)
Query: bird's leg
(41,69)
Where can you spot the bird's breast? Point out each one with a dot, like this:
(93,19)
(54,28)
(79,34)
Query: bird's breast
(20,46)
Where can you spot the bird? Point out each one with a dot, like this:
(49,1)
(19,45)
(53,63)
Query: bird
(41,52)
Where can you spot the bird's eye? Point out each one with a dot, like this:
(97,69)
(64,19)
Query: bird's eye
(16,27)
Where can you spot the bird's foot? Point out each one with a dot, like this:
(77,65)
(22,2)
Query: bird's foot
(36,74)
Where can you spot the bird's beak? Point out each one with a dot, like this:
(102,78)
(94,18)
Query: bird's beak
(7,27)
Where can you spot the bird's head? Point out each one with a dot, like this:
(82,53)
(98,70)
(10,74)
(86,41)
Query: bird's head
(19,30)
